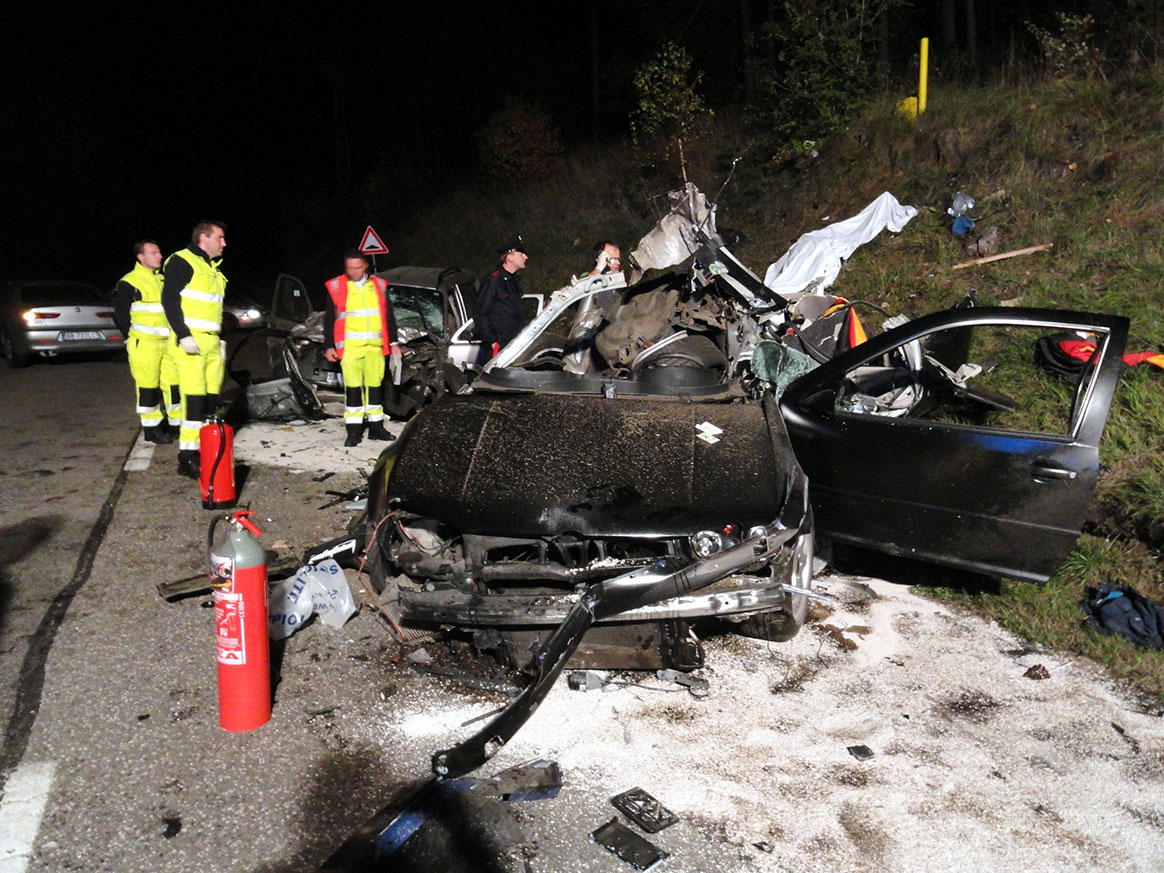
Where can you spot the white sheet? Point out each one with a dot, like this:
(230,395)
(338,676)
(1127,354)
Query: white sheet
(817,255)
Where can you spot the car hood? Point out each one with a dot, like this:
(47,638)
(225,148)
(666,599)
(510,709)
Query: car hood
(548,465)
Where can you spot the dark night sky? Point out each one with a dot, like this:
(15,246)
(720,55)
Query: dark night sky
(124,120)
(128,120)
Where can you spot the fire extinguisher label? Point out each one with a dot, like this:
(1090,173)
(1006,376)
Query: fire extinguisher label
(229,632)
(221,571)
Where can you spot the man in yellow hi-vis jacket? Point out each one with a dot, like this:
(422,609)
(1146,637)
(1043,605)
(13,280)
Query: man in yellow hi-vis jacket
(360,333)
(137,311)
(192,295)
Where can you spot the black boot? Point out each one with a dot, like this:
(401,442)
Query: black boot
(354,433)
(157,435)
(189,464)
(376,431)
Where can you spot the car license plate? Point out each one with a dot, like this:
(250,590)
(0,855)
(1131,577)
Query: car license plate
(67,335)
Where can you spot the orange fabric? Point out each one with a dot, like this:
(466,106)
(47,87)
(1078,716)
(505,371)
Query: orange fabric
(1084,349)
(1154,358)
(856,331)
(338,289)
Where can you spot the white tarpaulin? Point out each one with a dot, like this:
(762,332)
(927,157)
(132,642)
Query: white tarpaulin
(816,257)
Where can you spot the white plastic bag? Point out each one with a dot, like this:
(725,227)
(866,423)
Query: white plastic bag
(288,606)
(331,598)
(321,588)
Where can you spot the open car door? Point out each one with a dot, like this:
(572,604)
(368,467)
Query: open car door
(913,444)
(465,345)
(291,304)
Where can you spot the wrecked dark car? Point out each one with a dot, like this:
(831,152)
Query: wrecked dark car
(636,456)
(696,436)
(657,440)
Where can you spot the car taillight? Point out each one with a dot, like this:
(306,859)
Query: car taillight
(105,315)
(33,315)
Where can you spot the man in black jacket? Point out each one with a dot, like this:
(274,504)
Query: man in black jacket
(498,314)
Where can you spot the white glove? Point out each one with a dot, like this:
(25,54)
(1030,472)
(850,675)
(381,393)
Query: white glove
(396,364)
(601,263)
(189,345)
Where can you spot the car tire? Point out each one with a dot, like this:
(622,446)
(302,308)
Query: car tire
(782,625)
(13,351)
(691,351)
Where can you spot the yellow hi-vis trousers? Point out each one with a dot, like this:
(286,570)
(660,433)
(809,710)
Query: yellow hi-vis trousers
(200,380)
(154,374)
(363,369)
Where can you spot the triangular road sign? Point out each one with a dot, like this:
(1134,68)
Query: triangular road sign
(371,244)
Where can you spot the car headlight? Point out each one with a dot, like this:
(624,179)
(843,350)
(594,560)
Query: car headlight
(707,543)
(252,314)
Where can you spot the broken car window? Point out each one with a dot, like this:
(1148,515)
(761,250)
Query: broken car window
(966,375)
(418,308)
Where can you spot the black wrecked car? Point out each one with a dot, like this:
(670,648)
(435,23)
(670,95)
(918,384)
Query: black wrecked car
(636,461)
(659,440)
(695,437)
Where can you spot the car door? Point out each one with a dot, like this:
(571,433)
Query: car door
(464,346)
(290,303)
(913,444)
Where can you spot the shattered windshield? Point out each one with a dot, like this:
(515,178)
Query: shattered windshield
(418,308)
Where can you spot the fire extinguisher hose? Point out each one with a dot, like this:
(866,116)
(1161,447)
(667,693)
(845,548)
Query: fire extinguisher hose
(217,461)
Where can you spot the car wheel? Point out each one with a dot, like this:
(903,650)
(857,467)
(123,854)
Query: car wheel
(15,354)
(690,351)
(782,625)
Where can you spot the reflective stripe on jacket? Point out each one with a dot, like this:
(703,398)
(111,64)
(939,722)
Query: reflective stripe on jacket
(202,296)
(146,318)
(359,323)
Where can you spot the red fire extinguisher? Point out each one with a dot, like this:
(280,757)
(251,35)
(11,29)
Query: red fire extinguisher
(216,464)
(238,575)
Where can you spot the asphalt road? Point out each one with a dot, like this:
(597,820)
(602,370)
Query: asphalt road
(61,447)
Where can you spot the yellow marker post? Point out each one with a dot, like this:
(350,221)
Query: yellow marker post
(923,75)
(912,107)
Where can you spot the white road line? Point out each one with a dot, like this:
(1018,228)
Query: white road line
(139,459)
(21,810)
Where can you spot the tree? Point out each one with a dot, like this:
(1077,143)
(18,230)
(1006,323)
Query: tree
(826,53)
(667,108)
(520,141)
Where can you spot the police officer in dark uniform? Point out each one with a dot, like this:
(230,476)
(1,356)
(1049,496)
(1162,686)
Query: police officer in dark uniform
(498,314)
